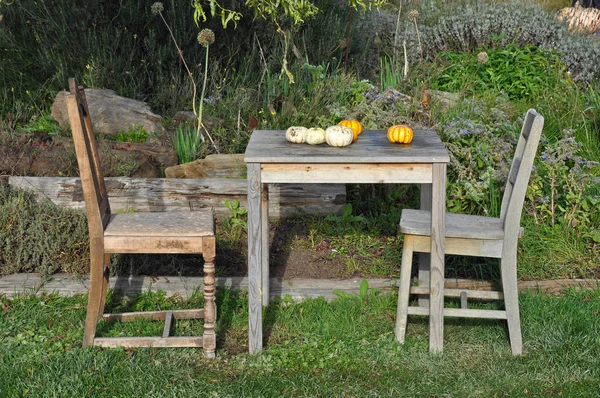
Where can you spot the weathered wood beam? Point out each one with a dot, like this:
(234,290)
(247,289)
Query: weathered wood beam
(177,194)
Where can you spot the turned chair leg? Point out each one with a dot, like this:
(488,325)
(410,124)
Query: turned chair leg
(94,296)
(404,288)
(210,310)
(508,269)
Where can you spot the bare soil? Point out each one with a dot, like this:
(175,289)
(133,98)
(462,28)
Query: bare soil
(289,258)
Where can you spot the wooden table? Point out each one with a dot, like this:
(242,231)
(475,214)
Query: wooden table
(370,160)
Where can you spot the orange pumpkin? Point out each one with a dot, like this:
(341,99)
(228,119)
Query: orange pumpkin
(353,125)
(400,133)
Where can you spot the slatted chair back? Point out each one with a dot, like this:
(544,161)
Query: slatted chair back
(520,171)
(92,181)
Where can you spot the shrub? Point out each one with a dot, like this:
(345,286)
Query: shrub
(520,72)
(472,27)
(39,236)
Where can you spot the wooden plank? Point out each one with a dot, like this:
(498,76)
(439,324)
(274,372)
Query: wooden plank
(371,147)
(416,222)
(179,224)
(464,247)
(461,313)
(264,221)
(350,174)
(463,300)
(148,342)
(153,244)
(476,294)
(168,323)
(438,233)
(255,258)
(424,257)
(175,194)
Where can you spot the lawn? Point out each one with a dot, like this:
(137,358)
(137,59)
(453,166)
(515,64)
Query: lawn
(468,69)
(344,348)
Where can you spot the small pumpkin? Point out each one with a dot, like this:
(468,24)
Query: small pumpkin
(296,134)
(400,133)
(354,125)
(315,136)
(338,136)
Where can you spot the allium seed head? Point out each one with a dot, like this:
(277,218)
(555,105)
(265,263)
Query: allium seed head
(206,37)
(482,57)
(157,8)
(413,14)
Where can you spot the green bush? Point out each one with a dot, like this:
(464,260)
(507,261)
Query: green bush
(39,236)
(522,73)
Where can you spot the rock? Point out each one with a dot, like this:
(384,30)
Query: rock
(110,113)
(446,99)
(146,161)
(580,19)
(213,166)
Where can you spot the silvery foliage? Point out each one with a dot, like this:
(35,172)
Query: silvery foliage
(471,27)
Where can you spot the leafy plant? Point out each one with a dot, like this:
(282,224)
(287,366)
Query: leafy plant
(237,214)
(346,216)
(519,72)
(136,135)
(186,143)
(235,224)
(42,123)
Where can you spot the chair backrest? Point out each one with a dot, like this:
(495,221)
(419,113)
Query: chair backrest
(520,171)
(92,180)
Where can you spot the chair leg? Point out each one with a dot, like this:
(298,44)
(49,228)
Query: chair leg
(210,311)
(404,288)
(94,296)
(508,269)
(105,276)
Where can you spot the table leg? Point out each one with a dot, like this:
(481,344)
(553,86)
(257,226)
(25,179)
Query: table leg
(264,222)
(438,226)
(254,258)
(424,258)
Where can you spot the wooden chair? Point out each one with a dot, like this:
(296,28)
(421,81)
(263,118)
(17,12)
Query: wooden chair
(476,236)
(173,232)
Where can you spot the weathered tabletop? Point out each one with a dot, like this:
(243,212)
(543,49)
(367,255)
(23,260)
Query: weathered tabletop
(372,146)
(371,159)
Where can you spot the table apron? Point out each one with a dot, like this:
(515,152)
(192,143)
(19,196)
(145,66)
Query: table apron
(357,173)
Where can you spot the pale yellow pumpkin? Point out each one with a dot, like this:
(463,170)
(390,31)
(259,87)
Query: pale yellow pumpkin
(400,133)
(338,136)
(296,134)
(315,136)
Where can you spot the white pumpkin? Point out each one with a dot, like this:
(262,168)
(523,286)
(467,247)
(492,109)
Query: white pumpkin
(339,136)
(315,136)
(296,134)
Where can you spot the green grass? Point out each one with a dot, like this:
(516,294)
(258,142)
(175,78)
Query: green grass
(313,348)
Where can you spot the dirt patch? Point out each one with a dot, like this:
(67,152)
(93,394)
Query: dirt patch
(289,258)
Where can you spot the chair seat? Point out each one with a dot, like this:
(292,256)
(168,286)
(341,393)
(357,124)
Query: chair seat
(162,224)
(418,222)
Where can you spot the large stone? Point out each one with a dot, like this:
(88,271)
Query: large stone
(213,166)
(110,112)
(444,98)
(580,19)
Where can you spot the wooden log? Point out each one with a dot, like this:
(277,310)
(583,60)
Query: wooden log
(185,286)
(175,194)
